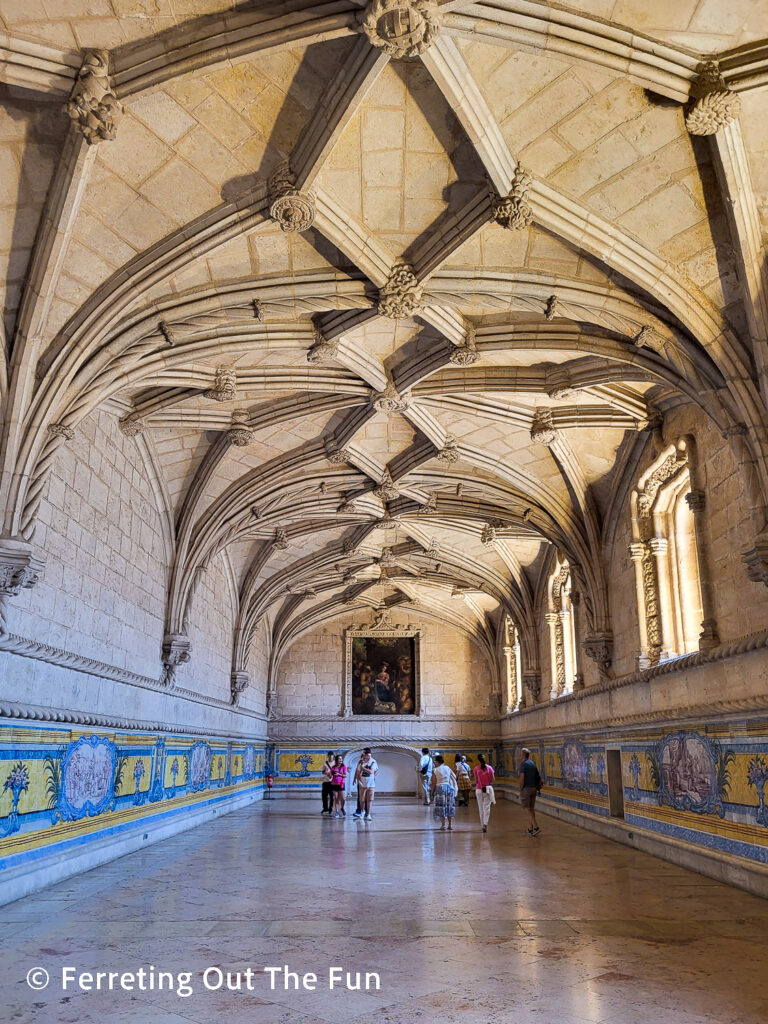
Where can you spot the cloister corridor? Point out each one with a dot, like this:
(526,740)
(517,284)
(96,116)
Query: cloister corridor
(462,928)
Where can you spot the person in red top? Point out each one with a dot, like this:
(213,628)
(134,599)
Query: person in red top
(338,780)
(484,776)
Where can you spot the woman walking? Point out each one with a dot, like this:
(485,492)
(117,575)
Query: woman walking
(464,779)
(484,776)
(443,789)
(338,778)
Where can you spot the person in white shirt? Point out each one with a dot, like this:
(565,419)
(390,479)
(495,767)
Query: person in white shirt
(426,764)
(365,777)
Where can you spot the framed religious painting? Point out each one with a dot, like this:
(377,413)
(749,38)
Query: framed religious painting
(382,670)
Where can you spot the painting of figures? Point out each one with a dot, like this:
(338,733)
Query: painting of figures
(383,675)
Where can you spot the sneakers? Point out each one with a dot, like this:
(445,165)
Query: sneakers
(534,831)
(336,815)
(485,828)
(357,814)
(369,817)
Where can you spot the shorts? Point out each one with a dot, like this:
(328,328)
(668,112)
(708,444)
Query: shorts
(528,796)
(336,788)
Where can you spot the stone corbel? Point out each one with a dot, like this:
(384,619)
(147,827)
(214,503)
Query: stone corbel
(240,681)
(93,107)
(531,688)
(712,105)
(543,430)
(19,570)
(756,560)
(177,650)
(599,647)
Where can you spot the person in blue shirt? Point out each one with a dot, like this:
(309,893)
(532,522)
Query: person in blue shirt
(530,787)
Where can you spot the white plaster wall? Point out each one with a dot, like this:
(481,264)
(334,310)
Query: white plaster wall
(103,591)
(455,677)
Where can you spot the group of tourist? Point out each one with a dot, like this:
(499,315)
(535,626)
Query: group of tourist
(444,788)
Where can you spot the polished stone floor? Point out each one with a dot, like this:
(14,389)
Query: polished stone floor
(463,928)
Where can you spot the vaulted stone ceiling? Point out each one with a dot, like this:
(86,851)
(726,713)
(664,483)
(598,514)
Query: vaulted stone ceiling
(388,331)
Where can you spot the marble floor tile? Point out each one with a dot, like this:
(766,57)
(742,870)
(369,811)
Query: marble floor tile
(462,929)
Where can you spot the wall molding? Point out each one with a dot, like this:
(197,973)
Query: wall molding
(12,643)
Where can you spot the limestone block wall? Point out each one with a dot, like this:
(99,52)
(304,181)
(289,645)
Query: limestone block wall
(103,592)
(211,625)
(255,697)
(455,676)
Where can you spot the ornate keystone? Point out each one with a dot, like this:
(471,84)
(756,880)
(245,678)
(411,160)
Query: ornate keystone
(322,350)
(387,489)
(224,387)
(93,106)
(401,28)
(240,434)
(387,522)
(401,295)
(177,650)
(513,211)
(131,425)
(466,354)
(387,560)
(599,647)
(292,208)
(280,540)
(239,681)
(390,400)
(712,105)
(61,430)
(543,430)
(449,453)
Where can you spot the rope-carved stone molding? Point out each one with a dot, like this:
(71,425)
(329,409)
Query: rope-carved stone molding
(35,713)
(25,648)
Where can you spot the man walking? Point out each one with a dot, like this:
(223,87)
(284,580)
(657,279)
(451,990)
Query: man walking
(426,765)
(327,789)
(365,777)
(530,787)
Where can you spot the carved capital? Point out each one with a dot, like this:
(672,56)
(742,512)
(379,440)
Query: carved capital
(401,295)
(390,400)
(19,568)
(401,28)
(131,425)
(637,551)
(696,500)
(513,211)
(239,682)
(712,105)
(756,560)
(599,647)
(240,434)
(322,350)
(224,386)
(658,545)
(93,107)
(543,430)
(387,489)
(292,208)
(177,650)
(449,453)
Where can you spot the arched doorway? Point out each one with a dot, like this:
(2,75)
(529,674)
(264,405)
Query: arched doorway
(398,768)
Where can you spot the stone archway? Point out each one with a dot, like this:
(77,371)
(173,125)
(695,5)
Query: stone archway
(398,767)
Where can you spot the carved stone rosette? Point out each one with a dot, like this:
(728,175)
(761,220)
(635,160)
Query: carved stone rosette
(401,295)
(543,430)
(513,211)
(401,28)
(93,106)
(292,208)
(224,387)
(240,434)
(239,682)
(712,105)
(390,400)
(467,353)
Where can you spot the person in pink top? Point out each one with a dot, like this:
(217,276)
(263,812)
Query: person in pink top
(484,776)
(338,781)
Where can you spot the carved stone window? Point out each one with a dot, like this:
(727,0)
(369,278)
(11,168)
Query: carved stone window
(665,551)
(562,629)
